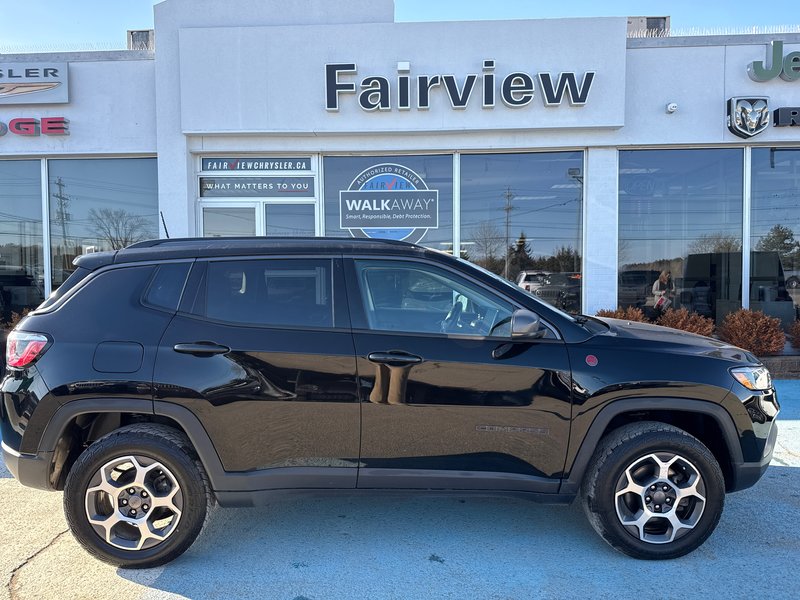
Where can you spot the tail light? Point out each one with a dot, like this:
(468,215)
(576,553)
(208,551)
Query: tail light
(23,348)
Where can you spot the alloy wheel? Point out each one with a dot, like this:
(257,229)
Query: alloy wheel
(134,502)
(660,497)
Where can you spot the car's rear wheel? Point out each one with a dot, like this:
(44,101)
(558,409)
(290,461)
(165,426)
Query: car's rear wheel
(653,491)
(138,497)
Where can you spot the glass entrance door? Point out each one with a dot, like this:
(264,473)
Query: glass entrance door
(229,221)
(282,220)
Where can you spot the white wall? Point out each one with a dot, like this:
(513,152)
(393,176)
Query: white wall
(175,165)
(272,79)
(228,84)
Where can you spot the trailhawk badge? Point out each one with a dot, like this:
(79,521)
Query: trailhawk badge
(748,116)
(389,201)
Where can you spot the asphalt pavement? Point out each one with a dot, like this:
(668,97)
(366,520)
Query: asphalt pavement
(405,546)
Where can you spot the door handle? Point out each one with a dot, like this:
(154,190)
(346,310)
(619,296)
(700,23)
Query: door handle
(201,348)
(394,359)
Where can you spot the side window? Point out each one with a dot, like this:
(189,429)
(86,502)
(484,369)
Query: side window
(418,298)
(272,292)
(166,286)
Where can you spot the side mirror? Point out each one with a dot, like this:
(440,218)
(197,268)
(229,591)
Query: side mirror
(526,325)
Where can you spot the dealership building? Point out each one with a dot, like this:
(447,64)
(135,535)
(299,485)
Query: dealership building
(562,147)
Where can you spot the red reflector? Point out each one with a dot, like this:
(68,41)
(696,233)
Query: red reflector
(23,348)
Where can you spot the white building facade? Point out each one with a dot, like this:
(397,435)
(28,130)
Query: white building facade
(557,147)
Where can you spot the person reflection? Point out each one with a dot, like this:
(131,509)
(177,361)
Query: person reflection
(663,292)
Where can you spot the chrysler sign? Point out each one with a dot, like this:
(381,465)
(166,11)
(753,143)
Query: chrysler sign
(34,83)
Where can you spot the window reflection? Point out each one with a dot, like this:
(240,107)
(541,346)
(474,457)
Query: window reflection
(774,227)
(680,230)
(521,218)
(21,260)
(97,205)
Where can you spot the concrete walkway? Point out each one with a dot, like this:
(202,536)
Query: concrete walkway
(420,547)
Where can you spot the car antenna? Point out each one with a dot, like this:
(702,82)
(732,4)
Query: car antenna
(164,223)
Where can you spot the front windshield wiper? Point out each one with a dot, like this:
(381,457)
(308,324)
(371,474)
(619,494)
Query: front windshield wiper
(580,319)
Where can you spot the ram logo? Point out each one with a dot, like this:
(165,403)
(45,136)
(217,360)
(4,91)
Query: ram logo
(748,116)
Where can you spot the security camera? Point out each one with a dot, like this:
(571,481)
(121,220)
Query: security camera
(672,107)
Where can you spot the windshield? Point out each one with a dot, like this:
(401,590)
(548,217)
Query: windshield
(510,285)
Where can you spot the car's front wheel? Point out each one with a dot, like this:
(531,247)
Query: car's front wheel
(653,491)
(138,497)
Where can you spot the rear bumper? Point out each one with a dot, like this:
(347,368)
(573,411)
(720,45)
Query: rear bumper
(32,470)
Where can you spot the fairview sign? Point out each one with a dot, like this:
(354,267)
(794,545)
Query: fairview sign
(515,90)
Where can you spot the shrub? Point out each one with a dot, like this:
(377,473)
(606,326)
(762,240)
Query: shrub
(629,313)
(685,321)
(753,331)
(15,318)
(794,334)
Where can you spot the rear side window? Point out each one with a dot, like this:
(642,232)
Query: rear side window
(166,286)
(74,279)
(272,292)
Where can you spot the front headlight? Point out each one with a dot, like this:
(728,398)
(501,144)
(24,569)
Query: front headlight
(753,378)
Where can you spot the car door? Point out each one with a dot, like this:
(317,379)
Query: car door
(261,352)
(448,400)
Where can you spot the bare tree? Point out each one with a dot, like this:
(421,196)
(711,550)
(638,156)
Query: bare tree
(715,242)
(119,227)
(488,240)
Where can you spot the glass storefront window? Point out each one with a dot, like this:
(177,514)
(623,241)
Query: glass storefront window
(289,220)
(680,215)
(521,218)
(229,221)
(99,204)
(392,197)
(774,225)
(21,257)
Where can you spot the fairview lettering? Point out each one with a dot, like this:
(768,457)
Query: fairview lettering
(515,90)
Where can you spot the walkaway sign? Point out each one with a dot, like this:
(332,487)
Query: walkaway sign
(389,201)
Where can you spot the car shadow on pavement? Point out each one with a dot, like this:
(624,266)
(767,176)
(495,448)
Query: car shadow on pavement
(400,546)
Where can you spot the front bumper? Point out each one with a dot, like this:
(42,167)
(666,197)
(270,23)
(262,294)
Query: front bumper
(32,470)
(746,474)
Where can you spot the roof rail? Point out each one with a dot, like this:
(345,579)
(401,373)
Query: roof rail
(262,239)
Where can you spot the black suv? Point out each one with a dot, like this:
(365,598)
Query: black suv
(172,374)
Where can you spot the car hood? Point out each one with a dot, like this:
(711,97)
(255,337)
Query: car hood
(675,340)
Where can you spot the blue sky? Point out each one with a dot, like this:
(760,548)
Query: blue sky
(102,24)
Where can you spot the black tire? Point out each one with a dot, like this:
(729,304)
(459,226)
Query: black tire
(628,458)
(169,460)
